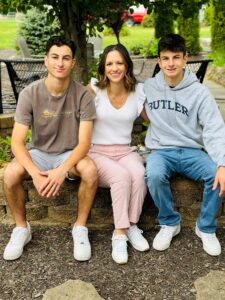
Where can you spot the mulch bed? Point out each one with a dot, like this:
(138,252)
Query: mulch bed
(48,261)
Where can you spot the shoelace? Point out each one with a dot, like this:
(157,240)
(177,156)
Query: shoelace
(165,230)
(120,243)
(210,237)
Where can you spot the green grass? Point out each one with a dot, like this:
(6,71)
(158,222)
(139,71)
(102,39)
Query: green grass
(8,30)
(205,32)
(138,36)
(218,57)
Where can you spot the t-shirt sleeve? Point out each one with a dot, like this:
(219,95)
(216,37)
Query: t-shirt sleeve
(87,106)
(23,114)
(141,97)
(93,85)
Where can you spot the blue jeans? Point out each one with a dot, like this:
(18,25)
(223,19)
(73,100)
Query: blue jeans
(193,163)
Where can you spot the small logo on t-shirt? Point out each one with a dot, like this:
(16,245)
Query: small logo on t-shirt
(49,115)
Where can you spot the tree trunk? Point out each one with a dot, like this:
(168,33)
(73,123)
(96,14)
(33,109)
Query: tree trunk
(72,22)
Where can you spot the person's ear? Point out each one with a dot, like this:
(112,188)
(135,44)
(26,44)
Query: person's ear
(74,63)
(185,59)
(159,61)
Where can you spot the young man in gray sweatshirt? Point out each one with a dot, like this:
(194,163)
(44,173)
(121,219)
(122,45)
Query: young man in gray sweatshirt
(187,137)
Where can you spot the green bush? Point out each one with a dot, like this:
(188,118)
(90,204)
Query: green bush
(5,149)
(218,28)
(191,35)
(163,19)
(36,28)
(92,68)
(208,15)
(123,32)
(153,49)
(137,49)
(148,21)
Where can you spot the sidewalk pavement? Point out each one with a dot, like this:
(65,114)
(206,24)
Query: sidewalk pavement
(218,92)
(216,89)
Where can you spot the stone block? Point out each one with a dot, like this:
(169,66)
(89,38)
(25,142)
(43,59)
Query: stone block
(102,215)
(102,198)
(188,224)
(8,220)
(146,221)
(71,290)
(63,198)
(7,121)
(221,221)
(211,286)
(3,200)
(2,212)
(96,226)
(63,213)
(36,211)
(48,222)
(190,213)
(8,211)
(185,191)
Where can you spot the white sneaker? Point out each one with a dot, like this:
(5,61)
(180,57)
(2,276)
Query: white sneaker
(119,248)
(211,244)
(82,247)
(164,237)
(136,238)
(19,238)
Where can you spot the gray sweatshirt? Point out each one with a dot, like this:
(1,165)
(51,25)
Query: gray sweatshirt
(184,116)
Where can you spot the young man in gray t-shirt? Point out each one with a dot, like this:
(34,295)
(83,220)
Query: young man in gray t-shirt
(60,112)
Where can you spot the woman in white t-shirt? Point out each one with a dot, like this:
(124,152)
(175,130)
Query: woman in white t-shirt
(119,101)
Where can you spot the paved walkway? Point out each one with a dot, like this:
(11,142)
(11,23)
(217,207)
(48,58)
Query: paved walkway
(216,89)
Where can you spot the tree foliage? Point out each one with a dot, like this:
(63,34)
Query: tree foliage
(218,28)
(36,28)
(186,12)
(79,18)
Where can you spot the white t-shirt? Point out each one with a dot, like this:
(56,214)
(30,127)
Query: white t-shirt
(112,125)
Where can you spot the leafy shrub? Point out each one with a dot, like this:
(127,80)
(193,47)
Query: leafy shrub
(5,149)
(137,49)
(92,68)
(191,35)
(218,28)
(208,15)
(148,21)
(37,28)
(123,32)
(152,51)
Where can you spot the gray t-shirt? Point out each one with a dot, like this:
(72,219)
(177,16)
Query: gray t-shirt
(54,120)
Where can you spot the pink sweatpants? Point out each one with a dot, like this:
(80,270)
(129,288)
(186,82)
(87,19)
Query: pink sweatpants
(122,170)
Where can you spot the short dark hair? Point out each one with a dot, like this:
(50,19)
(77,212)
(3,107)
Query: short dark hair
(172,42)
(61,41)
(130,81)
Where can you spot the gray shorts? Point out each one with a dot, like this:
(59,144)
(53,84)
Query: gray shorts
(47,161)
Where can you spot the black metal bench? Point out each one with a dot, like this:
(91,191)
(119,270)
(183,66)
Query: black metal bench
(198,67)
(21,72)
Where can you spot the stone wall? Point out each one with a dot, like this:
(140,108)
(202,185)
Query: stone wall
(61,210)
(6,124)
